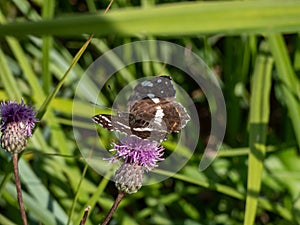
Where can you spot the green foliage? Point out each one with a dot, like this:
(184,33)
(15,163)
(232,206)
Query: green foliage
(254,48)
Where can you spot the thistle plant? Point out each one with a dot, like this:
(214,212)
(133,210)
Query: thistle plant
(17,123)
(137,156)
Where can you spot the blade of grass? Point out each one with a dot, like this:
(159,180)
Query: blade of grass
(44,215)
(47,13)
(38,94)
(60,61)
(191,175)
(194,177)
(9,82)
(233,152)
(14,92)
(50,97)
(202,182)
(95,197)
(40,192)
(25,7)
(289,82)
(234,17)
(6,221)
(91,5)
(259,117)
(77,194)
(47,79)
(235,74)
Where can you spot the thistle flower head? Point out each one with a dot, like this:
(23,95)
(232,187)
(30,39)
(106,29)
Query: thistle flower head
(17,122)
(137,151)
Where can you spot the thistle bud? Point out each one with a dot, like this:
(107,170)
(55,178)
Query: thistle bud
(129,178)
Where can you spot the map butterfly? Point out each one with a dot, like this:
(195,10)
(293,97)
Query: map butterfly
(152,111)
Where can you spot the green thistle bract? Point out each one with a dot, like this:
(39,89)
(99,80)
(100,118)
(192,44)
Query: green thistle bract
(129,178)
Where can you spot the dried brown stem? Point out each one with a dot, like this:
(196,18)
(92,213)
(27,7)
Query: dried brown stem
(85,215)
(113,208)
(108,7)
(18,187)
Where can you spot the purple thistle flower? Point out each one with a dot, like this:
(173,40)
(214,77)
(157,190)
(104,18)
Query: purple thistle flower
(137,151)
(17,122)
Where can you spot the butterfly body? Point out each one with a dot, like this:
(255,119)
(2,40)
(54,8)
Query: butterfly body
(152,111)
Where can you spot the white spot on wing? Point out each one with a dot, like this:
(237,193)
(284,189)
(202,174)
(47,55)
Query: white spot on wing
(151,95)
(106,119)
(155,100)
(142,129)
(147,83)
(122,125)
(159,81)
(158,115)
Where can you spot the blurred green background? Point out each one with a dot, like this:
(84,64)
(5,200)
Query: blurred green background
(252,46)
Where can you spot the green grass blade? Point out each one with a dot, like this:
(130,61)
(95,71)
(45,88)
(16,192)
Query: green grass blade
(195,178)
(289,82)
(38,191)
(77,194)
(192,175)
(37,93)
(6,221)
(173,19)
(19,54)
(95,197)
(47,13)
(91,5)
(9,81)
(42,214)
(25,7)
(47,79)
(259,117)
(43,108)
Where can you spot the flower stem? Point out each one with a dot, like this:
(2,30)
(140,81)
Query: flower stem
(113,208)
(18,187)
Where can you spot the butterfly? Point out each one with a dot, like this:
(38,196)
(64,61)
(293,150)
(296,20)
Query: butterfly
(152,113)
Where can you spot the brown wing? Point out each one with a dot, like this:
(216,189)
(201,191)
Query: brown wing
(161,114)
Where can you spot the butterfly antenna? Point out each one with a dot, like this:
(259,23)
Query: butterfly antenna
(96,104)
